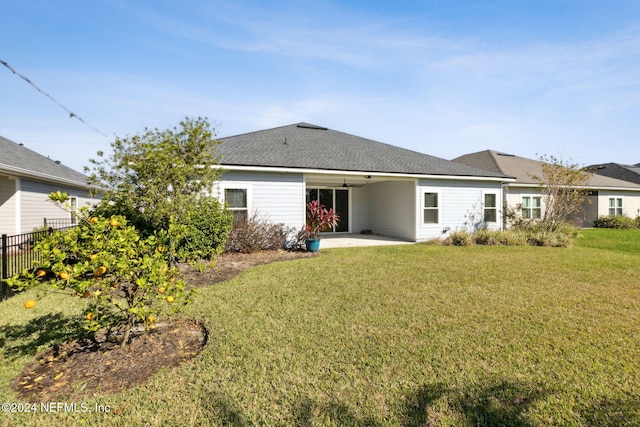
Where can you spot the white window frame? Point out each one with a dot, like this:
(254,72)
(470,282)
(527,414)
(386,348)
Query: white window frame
(617,208)
(231,186)
(494,208)
(436,208)
(531,207)
(73,207)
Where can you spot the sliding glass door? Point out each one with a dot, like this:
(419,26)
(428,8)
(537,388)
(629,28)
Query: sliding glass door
(336,198)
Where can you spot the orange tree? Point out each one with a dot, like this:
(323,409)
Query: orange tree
(125,278)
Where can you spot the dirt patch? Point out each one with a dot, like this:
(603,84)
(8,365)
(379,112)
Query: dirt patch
(229,265)
(85,367)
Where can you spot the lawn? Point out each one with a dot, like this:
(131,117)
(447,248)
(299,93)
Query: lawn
(398,335)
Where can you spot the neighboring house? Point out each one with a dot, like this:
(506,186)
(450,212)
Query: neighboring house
(618,171)
(372,186)
(26,179)
(607,196)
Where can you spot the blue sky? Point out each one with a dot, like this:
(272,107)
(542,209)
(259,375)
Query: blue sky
(446,78)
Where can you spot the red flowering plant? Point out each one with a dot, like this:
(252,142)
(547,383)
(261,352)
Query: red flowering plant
(319,218)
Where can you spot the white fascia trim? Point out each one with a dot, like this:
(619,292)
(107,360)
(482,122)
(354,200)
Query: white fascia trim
(42,176)
(360,173)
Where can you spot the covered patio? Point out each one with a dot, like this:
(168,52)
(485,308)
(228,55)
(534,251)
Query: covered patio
(330,241)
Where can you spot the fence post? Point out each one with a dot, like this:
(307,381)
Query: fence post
(3,277)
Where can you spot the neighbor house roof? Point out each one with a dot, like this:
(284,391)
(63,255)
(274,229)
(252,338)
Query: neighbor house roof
(16,159)
(306,146)
(618,171)
(522,169)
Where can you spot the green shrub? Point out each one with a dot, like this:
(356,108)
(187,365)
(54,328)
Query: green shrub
(485,237)
(459,238)
(206,230)
(511,238)
(617,221)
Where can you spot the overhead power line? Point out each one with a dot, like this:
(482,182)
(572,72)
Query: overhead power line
(71,113)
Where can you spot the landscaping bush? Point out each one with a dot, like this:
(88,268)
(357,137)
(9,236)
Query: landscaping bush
(511,237)
(206,230)
(526,233)
(256,234)
(459,238)
(485,237)
(617,221)
(538,233)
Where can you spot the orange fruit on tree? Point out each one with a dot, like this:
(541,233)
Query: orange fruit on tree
(161,290)
(170,299)
(89,316)
(93,257)
(63,275)
(100,271)
(41,273)
(114,222)
(94,220)
(29,303)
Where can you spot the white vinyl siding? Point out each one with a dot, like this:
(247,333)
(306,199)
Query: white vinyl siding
(277,197)
(630,203)
(359,209)
(392,209)
(8,205)
(460,206)
(35,205)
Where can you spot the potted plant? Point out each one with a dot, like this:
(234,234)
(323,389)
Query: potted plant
(319,218)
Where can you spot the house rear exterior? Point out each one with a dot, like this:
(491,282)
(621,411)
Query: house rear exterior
(26,179)
(373,186)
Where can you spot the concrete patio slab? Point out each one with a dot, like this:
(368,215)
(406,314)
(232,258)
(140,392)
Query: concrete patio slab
(358,240)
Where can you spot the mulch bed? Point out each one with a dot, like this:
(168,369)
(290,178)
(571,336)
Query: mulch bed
(86,367)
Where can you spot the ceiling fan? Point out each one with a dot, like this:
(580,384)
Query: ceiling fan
(345,185)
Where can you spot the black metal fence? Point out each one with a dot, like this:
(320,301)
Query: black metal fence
(16,253)
(58,223)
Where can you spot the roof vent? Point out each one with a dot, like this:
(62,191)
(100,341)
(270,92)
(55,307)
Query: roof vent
(57,162)
(308,126)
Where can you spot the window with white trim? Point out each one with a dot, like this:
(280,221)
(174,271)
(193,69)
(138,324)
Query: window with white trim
(430,215)
(615,206)
(73,206)
(531,207)
(490,207)
(236,199)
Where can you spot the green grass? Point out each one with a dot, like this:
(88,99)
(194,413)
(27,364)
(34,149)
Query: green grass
(611,239)
(400,335)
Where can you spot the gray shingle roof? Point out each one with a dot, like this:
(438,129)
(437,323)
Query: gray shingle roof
(17,159)
(522,168)
(617,171)
(307,146)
